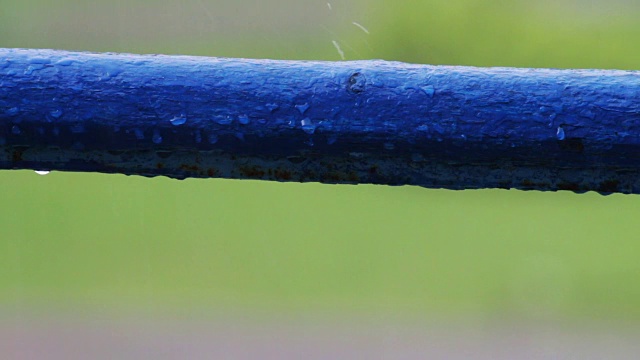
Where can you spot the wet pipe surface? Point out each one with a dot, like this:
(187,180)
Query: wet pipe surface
(333,122)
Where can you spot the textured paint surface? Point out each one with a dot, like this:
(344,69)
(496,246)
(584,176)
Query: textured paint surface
(335,122)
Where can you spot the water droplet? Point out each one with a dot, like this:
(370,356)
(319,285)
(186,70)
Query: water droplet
(308,126)
(13,111)
(223,119)
(179,120)
(429,90)
(139,134)
(213,138)
(65,62)
(389,146)
(560,133)
(272,106)
(303,108)
(243,119)
(156,138)
(56,113)
(15,129)
(463,137)
(42,172)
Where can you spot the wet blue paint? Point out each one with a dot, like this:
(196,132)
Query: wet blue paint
(351,122)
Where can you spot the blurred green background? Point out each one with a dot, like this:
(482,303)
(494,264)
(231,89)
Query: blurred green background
(114,244)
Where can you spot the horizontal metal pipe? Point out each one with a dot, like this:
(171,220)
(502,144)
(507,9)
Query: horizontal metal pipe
(333,122)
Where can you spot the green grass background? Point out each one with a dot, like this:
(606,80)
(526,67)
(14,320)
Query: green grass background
(114,243)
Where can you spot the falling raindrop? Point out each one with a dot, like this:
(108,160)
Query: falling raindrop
(337,46)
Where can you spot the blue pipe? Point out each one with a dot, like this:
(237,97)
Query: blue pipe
(353,122)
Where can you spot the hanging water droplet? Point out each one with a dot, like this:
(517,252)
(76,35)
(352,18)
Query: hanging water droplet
(303,108)
(156,138)
(56,113)
(560,133)
(243,119)
(15,130)
(429,90)
(308,126)
(179,120)
(42,172)
(223,119)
